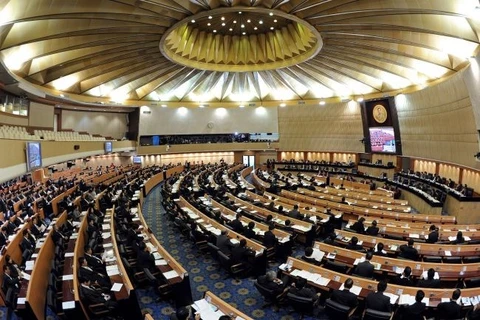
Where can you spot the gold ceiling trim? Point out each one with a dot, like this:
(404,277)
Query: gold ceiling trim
(220,48)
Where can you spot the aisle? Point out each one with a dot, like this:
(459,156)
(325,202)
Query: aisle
(203,275)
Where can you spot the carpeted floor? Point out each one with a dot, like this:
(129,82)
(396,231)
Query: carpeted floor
(203,275)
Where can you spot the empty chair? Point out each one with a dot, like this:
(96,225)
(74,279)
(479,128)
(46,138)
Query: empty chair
(434,259)
(270,296)
(336,266)
(371,314)
(301,305)
(226,263)
(473,259)
(452,259)
(337,310)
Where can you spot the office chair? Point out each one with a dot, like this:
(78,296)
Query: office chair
(337,310)
(233,269)
(269,295)
(370,314)
(301,305)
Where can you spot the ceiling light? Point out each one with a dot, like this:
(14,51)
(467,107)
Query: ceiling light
(255,28)
(164,105)
(275,20)
(223,18)
(261,21)
(239,12)
(210,17)
(242,26)
(201,106)
(214,31)
(322,103)
(282,104)
(360,99)
(193,21)
(230,29)
(244,33)
(209,24)
(249,20)
(241,106)
(271,28)
(223,24)
(234,21)
(270,14)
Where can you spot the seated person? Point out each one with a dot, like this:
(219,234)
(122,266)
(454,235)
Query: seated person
(4,237)
(372,230)
(429,281)
(345,297)
(379,250)
(184,313)
(459,239)
(405,278)
(408,251)
(365,269)
(377,300)
(248,232)
(271,282)
(145,259)
(9,281)
(433,235)
(288,225)
(358,226)
(86,272)
(416,310)
(330,239)
(298,288)
(353,244)
(450,310)
(95,262)
(308,256)
(242,254)
(94,296)
(223,242)
(269,238)
(236,224)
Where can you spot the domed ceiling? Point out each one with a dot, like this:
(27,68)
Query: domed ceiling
(137,52)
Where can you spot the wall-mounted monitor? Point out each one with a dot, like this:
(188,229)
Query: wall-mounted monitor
(382,139)
(34,155)
(108,146)
(137,160)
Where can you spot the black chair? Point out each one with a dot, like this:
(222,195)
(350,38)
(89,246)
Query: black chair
(336,266)
(337,310)
(138,277)
(371,314)
(434,259)
(301,305)
(233,269)
(472,283)
(452,259)
(213,249)
(474,259)
(269,295)
(53,303)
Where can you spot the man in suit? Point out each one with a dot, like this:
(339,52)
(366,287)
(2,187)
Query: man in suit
(308,256)
(248,232)
(236,224)
(433,235)
(416,310)
(430,281)
(9,281)
(4,237)
(450,310)
(408,251)
(298,288)
(372,230)
(353,244)
(377,300)
(94,296)
(271,282)
(345,297)
(294,213)
(365,269)
(358,226)
(86,272)
(223,242)
(379,250)
(185,313)
(405,278)
(145,259)
(269,238)
(242,254)
(26,243)
(95,262)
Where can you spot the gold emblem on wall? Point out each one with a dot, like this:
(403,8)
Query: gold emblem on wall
(380,113)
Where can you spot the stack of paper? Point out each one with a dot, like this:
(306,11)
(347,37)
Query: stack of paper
(170,274)
(393,297)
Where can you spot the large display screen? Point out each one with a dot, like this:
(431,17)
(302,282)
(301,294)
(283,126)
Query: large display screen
(34,155)
(108,147)
(137,160)
(382,139)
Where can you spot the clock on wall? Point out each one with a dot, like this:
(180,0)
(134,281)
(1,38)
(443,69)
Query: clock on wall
(379,113)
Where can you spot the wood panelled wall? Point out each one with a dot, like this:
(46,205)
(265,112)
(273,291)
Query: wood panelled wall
(335,127)
(438,123)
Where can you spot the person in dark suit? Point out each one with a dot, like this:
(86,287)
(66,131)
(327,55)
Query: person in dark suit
(94,296)
(365,269)
(379,250)
(249,233)
(433,235)
(95,262)
(269,238)
(57,237)
(9,281)
(408,251)
(26,244)
(405,278)
(345,297)
(372,230)
(430,281)
(416,310)
(236,224)
(450,310)
(308,256)
(294,213)
(184,313)
(223,242)
(353,244)
(271,282)
(242,254)
(358,226)
(86,272)
(377,300)
(4,237)
(298,288)
(145,259)
(460,239)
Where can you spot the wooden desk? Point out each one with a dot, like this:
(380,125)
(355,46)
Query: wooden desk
(224,306)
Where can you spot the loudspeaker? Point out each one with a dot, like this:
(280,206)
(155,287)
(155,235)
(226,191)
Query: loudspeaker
(76,147)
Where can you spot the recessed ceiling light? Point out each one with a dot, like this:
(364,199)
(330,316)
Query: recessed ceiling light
(214,31)
(209,24)
(261,21)
(275,20)
(249,20)
(193,21)
(223,24)
(242,26)
(223,18)
(234,21)
(239,12)
(322,103)
(271,28)
(201,106)
(283,105)
(255,28)
(210,17)
(244,33)
(360,99)
(270,14)
(230,29)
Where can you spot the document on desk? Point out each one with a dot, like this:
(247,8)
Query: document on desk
(393,297)
(116,287)
(170,274)
(206,310)
(29,265)
(21,300)
(448,253)
(106,235)
(25,276)
(406,299)
(68,305)
(67,277)
(161,262)
(157,256)
(69,254)
(322,281)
